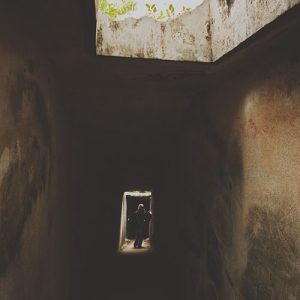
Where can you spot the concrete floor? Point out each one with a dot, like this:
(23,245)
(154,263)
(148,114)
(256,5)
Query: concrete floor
(129,248)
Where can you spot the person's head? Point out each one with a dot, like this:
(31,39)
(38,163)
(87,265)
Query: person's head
(140,206)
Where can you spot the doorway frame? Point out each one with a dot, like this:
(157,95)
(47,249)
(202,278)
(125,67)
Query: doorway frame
(123,222)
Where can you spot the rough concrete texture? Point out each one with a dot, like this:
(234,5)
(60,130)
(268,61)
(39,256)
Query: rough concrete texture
(208,140)
(30,261)
(240,172)
(205,34)
(270,129)
(233,21)
(185,38)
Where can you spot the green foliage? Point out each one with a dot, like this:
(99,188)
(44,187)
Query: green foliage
(114,11)
(128,6)
(167,14)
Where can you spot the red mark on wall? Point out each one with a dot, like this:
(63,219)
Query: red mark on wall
(253,130)
(284,124)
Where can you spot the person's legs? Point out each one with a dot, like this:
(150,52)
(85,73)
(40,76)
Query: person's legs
(140,238)
(137,238)
(136,242)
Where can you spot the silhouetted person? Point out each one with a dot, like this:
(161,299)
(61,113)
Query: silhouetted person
(140,220)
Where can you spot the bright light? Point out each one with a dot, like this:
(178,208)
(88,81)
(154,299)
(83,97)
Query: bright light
(126,245)
(138,193)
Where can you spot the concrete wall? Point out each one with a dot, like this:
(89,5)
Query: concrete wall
(216,144)
(205,34)
(32,240)
(268,133)
(233,21)
(239,161)
(185,38)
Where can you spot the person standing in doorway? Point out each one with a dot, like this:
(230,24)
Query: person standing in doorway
(140,219)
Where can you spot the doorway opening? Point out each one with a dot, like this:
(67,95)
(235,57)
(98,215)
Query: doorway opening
(136,227)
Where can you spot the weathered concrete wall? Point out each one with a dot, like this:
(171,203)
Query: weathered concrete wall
(32,237)
(268,136)
(184,38)
(214,187)
(240,163)
(207,33)
(233,21)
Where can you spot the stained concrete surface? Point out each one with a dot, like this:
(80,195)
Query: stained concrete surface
(205,34)
(185,38)
(249,212)
(30,261)
(217,145)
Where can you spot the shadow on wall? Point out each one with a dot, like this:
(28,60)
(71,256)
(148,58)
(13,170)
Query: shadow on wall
(24,162)
(227,4)
(210,166)
(273,258)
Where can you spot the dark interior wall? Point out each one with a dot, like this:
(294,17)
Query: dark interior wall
(33,263)
(188,132)
(239,164)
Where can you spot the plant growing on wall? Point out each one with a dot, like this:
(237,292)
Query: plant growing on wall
(115,11)
(164,15)
(128,6)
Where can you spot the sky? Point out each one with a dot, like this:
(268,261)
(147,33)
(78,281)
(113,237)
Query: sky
(160,4)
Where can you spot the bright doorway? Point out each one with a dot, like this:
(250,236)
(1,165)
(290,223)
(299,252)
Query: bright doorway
(136,205)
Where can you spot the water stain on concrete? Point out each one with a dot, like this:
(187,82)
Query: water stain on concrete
(272,270)
(27,155)
(227,3)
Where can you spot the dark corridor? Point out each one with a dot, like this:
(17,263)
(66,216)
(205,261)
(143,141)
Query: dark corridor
(77,130)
